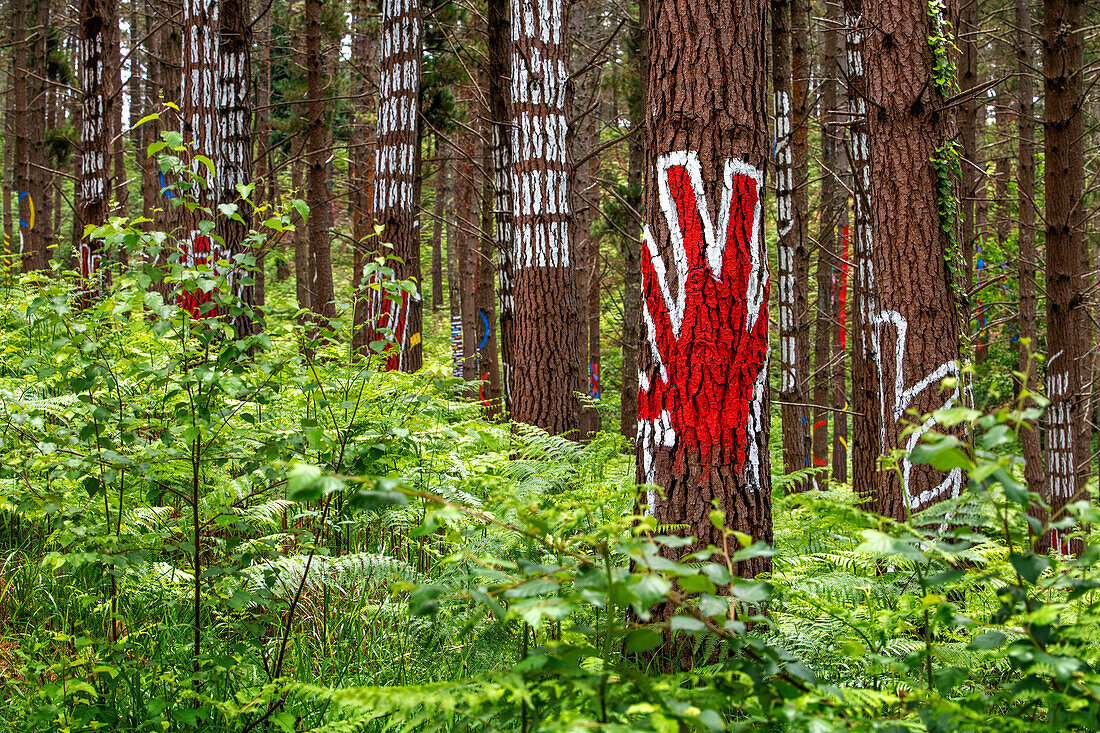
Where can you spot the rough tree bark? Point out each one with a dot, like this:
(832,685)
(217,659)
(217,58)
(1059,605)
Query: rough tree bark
(199,113)
(1067,438)
(631,245)
(91,195)
(234,155)
(545,361)
(484,290)
(703,399)
(498,25)
(972,173)
(317,194)
(917,317)
(1027,257)
(397,173)
(437,229)
(793,259)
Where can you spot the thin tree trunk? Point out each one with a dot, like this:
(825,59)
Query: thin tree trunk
(7,175)
(302,287)
(971,178)
(320,255)
(918,320)
(265,191)
(631,244)
(703,399)
(438,210)
(20,103)
(545,356)
(498,24)
(793,261)
(488,364)
(1068,436)
(1027,257)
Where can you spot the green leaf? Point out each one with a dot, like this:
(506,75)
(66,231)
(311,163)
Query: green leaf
(369,501)
(1029,565)
(686,623)
(987,640)
(642,640)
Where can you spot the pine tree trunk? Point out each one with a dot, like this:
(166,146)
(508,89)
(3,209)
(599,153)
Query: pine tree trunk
(917,319)
(832,202)
(545,356)
(91,194)
(113,70)
(703,398)
(1027,256)
(20,103)
(793,260)
(631,245)
(454,278)
(397,173)
(364,45)
(200,128)
(263,155)
(302,289)
(170,58)
(7,174)
(34,208)
(1067,438)
(968,121)
(485,291)
(438,209)
(317,194)
(234,160)
(497,69)
(584,136)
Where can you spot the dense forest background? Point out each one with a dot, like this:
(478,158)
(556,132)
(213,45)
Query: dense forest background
(549,365)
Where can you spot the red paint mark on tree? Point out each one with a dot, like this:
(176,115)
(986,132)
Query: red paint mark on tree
(203,251)
(710,338)
(389,324)
(842,290)
(819,461)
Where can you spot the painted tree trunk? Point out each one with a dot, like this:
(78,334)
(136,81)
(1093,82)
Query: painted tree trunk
(466,249)
(234,158)
(437,230)
(397,165)
(631,243)
(917,317)
(454,279)
(169,59)
(703,395)
(1027,257)
(545,356)
(793,261)
(22,203)
(484,290)
(1067,436)
(584,137)
(34,207)
(96,106)
(317,192)
(866,445)
(199,112)
(839,388)
(498,24)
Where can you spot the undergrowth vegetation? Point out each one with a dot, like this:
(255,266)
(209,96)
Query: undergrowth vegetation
(272,534)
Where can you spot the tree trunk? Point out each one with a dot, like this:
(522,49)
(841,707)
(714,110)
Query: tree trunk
(1027,257)
(200,128)
(498,37)
(454,279)
(632,245)
(320,255)
(34,209)
(968,121)
(302,289)
(234,159)
(918,320)
(584,137)
(397,173)
(7,175)
(485,292)
(91,194)
(364,67)
(545,356)
(1067,439)
(170,58)
(793,259)
(703,399)
(263,173)
(439,207)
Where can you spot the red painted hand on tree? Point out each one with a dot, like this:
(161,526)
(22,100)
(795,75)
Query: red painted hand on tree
(709,338)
